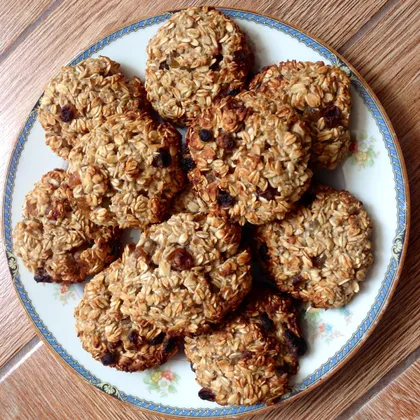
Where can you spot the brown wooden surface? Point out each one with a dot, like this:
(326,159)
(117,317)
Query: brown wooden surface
(397,400)
(380,38)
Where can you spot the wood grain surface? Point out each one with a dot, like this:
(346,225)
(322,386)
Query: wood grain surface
(380,38)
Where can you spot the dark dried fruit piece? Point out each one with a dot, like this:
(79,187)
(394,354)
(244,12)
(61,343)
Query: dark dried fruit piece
(108,359)
(241,58)
(132,336)
(66,113)
(298,280)
(266,322)
(234,92)
(263,252)
(42,276)
(162,159)
(226,141)
(164,65)
(192,367)
(318,262)
(170,345)
(158,339)
(269,194)
(205,135)
(247,354)
(206,394)
(332,116)
(224,199)
(187,164)
(297,344)
(216,65)
(180,259)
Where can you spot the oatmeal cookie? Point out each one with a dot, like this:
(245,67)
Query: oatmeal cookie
(320,252)
(186,273)
(321,93)
(55,240)
(108,333)
(126,172)
(251,161)
(197,56)
(81,97)
(250,357)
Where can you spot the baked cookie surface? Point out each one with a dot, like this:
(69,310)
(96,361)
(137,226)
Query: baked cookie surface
(250,357)
(126,172)
(55,240)
(108,333)
(321,93)
(320,252)
(82,97)
(186,273)
(251,163)
(198,56)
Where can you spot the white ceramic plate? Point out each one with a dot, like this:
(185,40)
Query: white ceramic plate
(374,172)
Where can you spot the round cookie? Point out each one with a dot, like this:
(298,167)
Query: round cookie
(55,240)
(251,161)
(321,93)
(82,97)
(126,172)
(320,252)
(108,333)
(249,358)
(186,273)
(188,201)
(197,56)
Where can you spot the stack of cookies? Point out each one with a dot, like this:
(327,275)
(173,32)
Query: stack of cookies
(238,193)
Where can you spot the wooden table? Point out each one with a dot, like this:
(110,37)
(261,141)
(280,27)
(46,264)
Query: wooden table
(380,38)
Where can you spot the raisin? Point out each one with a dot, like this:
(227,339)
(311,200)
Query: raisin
(164,65)
(269,194)
(318,262)
(224,199)
(66,113)
(132,336)
(263,252)
(206,394)
(53,214)
(298,280)
(158,339)
(234,92)
(162,159)
(296,343)
(170,345)
(192,367)
(216,65)
(247,354)
(108,358)
(241,58)
(332,116)
(180,259)
(226,141)
(266,322)
(281,370)
(205,135)
(42,276)
(187,164)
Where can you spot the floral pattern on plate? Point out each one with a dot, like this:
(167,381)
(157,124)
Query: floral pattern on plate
(362,150)
(161,381)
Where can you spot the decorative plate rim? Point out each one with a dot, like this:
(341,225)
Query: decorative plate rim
(388,285)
